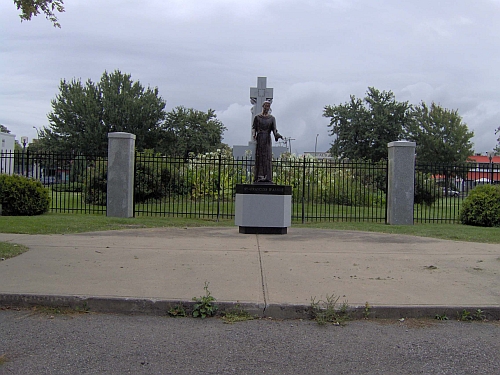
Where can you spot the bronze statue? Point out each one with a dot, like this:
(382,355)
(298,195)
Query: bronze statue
(263,124)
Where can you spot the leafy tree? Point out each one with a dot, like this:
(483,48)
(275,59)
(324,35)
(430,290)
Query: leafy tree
(440,134)
(442,139)
(362,128)
(83,114)
(4,129)
(191,131)
(32,8)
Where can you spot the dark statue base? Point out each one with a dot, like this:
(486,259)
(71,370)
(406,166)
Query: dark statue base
(263,230)
(263,208)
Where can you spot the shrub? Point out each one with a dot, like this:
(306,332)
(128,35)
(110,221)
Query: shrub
(426,189)
(95,187)
(482,207)
(155,178)
(21,196)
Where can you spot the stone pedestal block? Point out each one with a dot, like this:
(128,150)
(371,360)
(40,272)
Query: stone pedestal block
(401,180)
(120,190)
(263,208)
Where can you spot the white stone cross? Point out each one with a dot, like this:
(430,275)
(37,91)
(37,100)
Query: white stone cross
(258,95)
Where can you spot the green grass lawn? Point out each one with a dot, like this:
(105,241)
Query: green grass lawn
(53,223)
(10,250)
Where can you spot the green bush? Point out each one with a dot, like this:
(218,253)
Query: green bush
(482,207)
(95,187)
(154,179)
(21,196)
(426,189)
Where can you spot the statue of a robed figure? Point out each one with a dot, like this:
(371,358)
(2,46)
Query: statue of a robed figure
(263,125)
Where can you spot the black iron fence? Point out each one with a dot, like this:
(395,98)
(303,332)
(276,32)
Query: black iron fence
(204,186)
(72,180)
(441,188)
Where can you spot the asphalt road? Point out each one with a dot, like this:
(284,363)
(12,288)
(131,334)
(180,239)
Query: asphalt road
(113,344)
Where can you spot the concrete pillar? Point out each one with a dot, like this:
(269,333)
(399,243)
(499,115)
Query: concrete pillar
(121,158)
(401,183)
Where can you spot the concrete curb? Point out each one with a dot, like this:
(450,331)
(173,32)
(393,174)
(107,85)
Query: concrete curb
(150,306)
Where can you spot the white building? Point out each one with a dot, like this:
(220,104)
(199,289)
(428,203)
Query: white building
(7,153)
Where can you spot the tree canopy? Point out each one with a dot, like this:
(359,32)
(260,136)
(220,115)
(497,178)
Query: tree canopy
(362,128)
(190,131)
(83,114)
(4,129)
(32,8)
(440,135)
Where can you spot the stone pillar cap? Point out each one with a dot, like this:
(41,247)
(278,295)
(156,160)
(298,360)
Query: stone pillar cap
(121,135)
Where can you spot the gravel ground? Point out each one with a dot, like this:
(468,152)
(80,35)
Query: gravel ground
(41,343)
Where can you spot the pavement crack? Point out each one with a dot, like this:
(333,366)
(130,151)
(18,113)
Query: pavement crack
(262,275)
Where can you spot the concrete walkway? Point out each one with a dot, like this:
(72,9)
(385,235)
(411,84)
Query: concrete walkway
(277,274)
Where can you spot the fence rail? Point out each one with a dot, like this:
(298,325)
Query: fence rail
(204,187)
(441,188)
(70,179)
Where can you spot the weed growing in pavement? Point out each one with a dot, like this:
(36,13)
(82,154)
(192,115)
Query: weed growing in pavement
(441,317)
(467,316)
(478,315)
(464,316)
(236,315)
(205,305)
(177,311)
(366,310)
(328,311)
(3,359)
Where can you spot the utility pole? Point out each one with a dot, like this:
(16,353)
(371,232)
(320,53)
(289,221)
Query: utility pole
(490,156)
(24,141)
(290,142)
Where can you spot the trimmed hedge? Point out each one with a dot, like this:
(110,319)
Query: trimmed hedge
(482,207)
(21,196)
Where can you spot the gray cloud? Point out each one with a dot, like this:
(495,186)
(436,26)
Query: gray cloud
(207,54)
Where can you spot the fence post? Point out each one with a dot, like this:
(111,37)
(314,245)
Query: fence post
(401,183)
(120,189)
(219,186)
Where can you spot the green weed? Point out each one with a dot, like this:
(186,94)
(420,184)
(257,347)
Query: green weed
(467,316)
(366,310)
(441,317)
(236,315)
(328,310)
(205,305)
(177,311)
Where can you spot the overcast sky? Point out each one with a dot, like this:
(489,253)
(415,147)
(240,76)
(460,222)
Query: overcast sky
(208,53)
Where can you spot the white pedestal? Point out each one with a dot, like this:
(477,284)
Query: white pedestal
(263,209)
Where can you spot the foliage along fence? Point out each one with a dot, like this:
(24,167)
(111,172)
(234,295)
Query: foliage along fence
(204,186)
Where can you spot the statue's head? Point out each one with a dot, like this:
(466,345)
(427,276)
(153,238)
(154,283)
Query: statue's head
(266,106)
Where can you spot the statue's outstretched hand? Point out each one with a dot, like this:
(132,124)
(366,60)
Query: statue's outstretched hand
(277,136)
